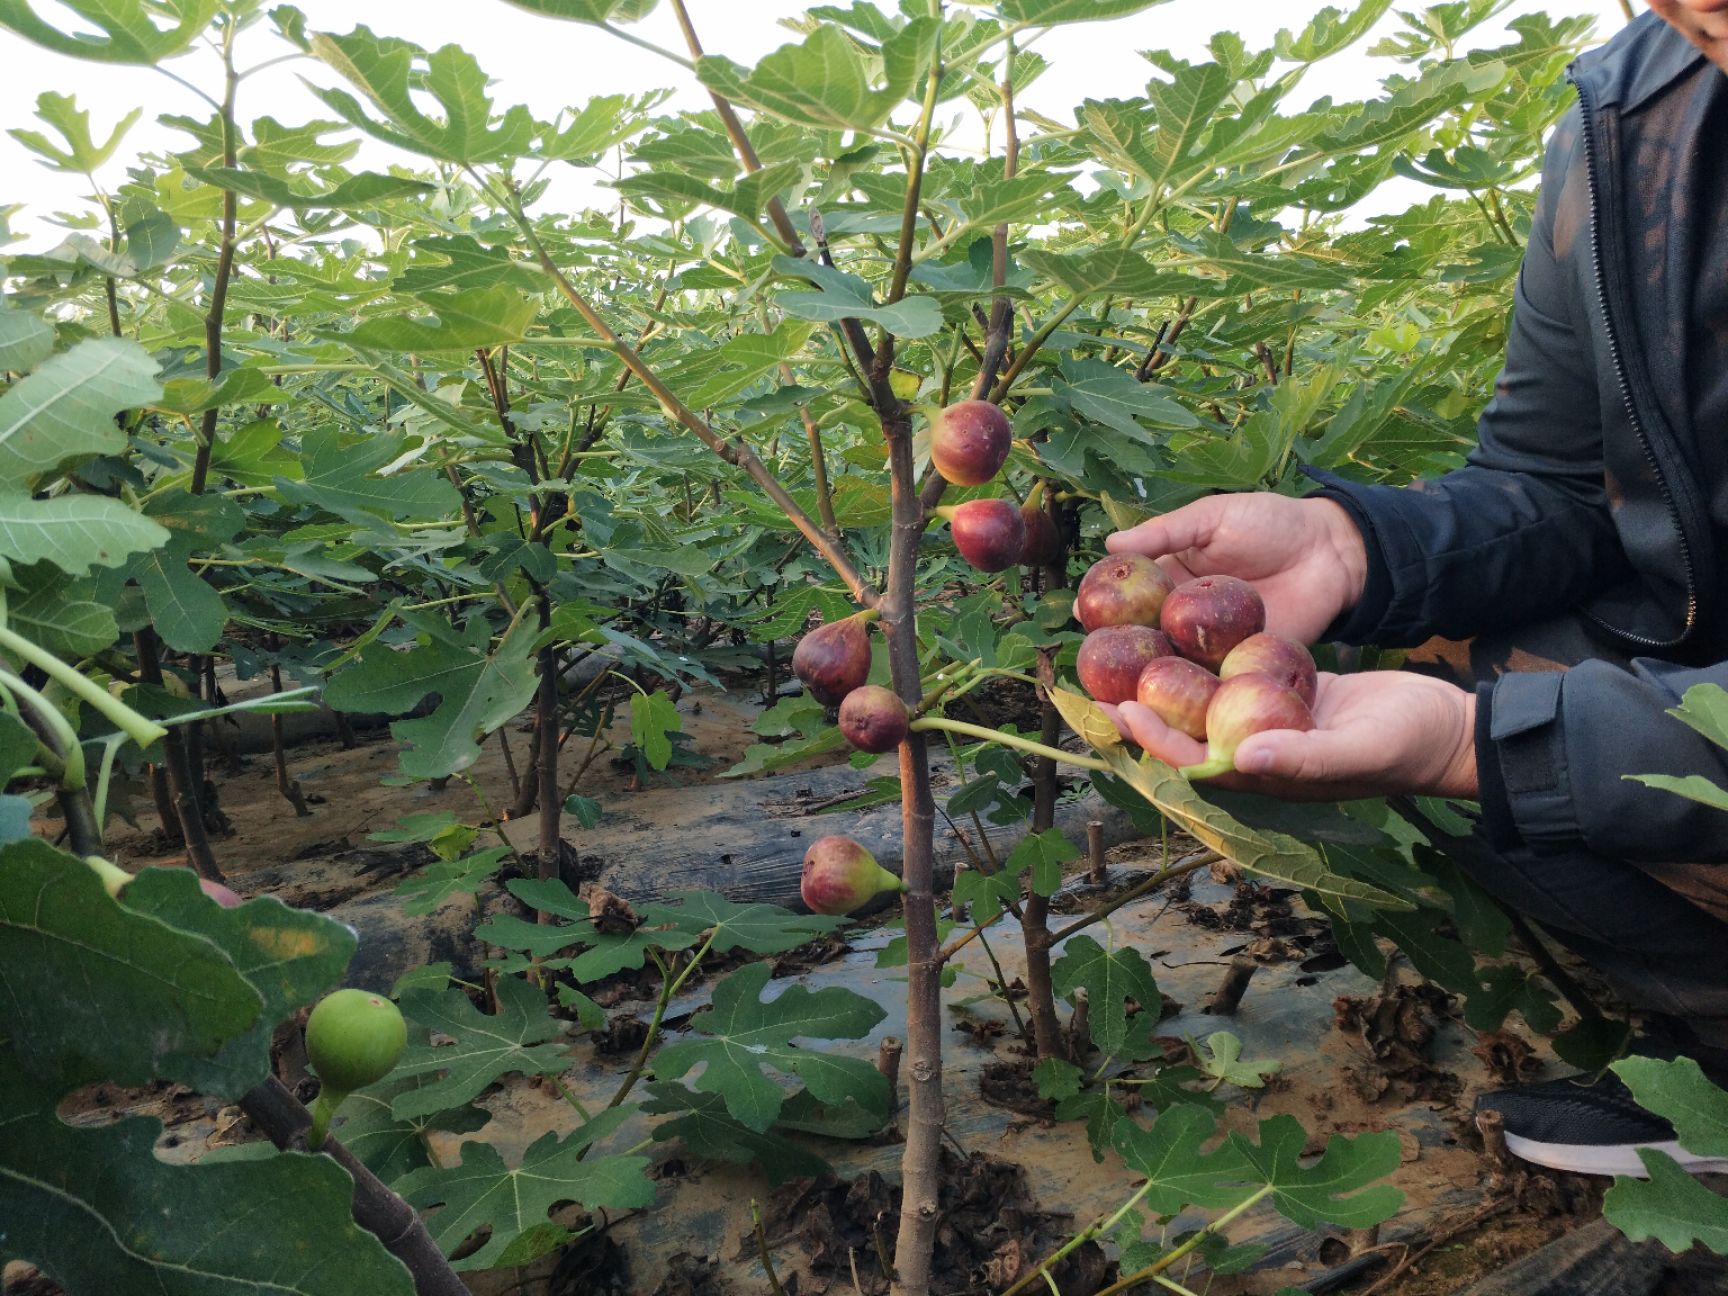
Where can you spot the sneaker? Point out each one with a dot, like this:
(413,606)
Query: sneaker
(1587,1125)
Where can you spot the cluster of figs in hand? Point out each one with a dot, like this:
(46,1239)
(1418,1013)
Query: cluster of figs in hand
(1195,654)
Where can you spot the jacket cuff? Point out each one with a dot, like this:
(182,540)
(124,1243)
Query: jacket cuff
(1356,625)
(1497,823)
(1525,783)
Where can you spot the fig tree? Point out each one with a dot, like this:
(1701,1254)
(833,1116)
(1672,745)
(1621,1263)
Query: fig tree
(989,533)
(969,442)
(1112,658)
(874,719)
(1124,589)
(840,876)
(1243,705)
(1178,692)
(1208,616)
(834,659)
(1283,659)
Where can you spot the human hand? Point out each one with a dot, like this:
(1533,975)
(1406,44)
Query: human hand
(1375,733)
(1305,556)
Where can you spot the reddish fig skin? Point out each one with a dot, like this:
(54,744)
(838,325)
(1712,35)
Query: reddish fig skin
(1283,659)
(1124,589)
(1243,705)
(834,659)
(969,442)
(1207,617)
(1043,547)
(1178,692)
(840,876)
(874,719)
(989,533)
(224,896)
(1112,658)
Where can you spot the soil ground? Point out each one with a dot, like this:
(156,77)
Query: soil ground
(1356,1055)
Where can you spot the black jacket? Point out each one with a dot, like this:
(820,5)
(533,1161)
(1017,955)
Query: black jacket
(1583,495)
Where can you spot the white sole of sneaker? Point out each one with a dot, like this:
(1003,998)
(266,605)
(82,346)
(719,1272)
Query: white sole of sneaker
(1617,1159)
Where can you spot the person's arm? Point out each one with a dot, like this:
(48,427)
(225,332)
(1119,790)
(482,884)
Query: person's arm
(1523,531)
(1556,749)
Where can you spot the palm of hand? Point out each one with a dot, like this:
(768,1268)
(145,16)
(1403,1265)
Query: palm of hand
(1375,733)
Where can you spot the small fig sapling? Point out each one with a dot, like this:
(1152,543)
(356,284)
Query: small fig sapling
(1243,705)
(989,533)
(969,442)
(874,719)
(840,876)
(1283,659)
(1112,658)
(1126,589)
(1207,617)
(834,659)
(1178,692)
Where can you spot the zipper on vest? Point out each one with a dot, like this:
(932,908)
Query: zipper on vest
(1588,125)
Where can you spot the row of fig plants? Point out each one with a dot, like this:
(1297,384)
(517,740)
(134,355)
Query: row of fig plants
(409,435)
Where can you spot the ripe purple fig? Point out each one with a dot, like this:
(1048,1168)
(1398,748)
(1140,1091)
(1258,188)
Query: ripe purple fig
(834,659)
(1178,692)
(1043,545)
(1112,657)
(1243,705)
(1124,589)
(873,718)
(989,533)
(969,442)
(841,876)
(1283,659)
(1207,617)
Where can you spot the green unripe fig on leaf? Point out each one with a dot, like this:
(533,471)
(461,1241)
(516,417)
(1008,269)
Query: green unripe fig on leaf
(1178,692)
(989,533)
(840,876)
(1208,616)
(1112,658)
(969,442)
(874,719)
(1124,589)
(834,659)
(1244,705)
(353,1039)
(1283,659)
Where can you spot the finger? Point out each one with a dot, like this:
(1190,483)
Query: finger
(1189,527)
(1156,738)
(1109,709)
(1312,756)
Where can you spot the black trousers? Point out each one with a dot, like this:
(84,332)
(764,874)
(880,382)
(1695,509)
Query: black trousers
(1661,952)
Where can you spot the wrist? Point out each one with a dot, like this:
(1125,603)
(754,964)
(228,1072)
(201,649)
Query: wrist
(1349,552)
(1459,777)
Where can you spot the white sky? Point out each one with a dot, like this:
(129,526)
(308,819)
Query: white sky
(548,65)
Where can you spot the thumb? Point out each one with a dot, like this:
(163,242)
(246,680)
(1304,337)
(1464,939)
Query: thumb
(1301,756)
(1189,527)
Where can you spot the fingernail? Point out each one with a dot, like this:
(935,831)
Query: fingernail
(1254,762)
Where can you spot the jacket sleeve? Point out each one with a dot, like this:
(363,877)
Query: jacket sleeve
(1555,751)
(1522,531)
